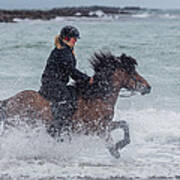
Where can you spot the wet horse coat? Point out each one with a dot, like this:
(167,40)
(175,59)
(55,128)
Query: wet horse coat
(95,104)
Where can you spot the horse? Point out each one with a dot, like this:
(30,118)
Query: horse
(95,103)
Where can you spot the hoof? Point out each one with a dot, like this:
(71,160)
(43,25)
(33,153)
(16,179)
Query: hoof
(115,153)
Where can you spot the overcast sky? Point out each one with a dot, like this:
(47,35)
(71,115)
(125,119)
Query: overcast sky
(47,4)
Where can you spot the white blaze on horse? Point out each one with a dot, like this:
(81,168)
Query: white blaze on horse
(95,103)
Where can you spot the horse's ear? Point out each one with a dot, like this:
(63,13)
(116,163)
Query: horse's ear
(123,58)
(123,55)
(128,59)
(133,61)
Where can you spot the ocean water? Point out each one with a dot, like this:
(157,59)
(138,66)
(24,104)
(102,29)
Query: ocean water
(154,119)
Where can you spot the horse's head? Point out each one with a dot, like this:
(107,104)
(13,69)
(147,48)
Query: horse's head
(127,77)
(111,74)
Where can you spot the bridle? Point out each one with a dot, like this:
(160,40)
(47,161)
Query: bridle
(132,93)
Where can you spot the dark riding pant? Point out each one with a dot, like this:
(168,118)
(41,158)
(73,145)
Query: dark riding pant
(63,104)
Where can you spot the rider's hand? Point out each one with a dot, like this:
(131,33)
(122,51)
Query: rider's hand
(91,81)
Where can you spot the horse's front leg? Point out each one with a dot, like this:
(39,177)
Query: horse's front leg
(123,125)
(114,149)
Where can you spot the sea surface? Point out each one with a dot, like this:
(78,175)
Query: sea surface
(153,39)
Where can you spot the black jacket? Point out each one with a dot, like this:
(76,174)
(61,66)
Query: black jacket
(61,65)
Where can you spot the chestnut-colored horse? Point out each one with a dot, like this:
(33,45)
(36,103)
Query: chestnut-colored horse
(95,103)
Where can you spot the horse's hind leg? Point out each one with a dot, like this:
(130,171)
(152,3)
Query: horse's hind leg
(122,143)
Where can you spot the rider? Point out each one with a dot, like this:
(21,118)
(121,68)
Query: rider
(61,65)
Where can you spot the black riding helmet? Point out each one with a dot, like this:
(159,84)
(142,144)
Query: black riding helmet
(69,32)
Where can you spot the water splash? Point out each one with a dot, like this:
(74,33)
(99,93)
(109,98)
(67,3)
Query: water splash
(153,152)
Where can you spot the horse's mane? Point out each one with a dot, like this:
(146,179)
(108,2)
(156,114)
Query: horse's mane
(108,61)
(104,65)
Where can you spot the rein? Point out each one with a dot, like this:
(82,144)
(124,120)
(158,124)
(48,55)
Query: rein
(132,93)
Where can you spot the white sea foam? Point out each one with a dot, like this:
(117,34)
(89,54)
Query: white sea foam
(59,18)
(21,20)
(143,15)
(168,16)
(18,20)
(97,13)
(32,153)
(78,14)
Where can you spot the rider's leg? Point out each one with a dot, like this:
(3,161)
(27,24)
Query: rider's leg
(62,109)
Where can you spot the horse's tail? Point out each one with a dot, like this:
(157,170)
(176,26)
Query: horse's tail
(2,116)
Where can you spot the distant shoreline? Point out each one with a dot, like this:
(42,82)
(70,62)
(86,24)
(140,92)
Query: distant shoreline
(8,16)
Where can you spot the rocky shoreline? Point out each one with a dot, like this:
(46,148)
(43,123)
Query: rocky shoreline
(8,16)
